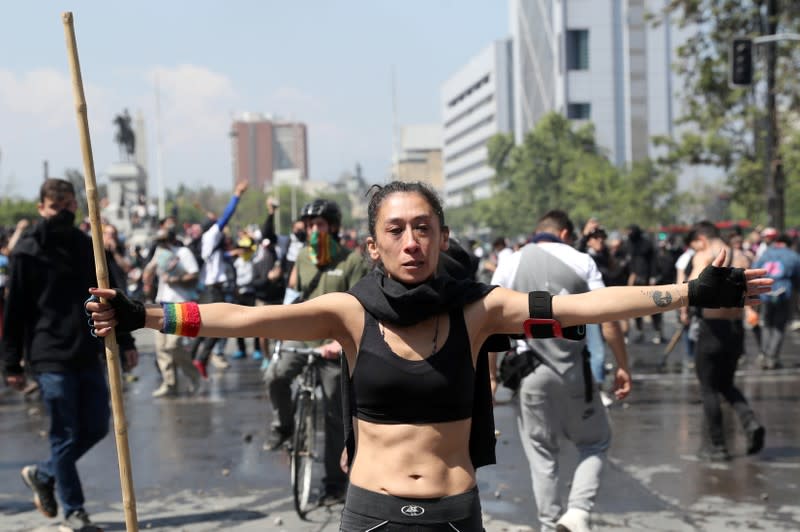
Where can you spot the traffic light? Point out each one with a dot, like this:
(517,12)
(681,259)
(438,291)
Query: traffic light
(741,61)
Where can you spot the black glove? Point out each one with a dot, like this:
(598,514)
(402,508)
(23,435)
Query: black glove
(718,287)
(128,312)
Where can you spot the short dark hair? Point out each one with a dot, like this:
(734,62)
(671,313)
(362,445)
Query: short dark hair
(380,193)
(499,242)
(555,221)
(55,189)
(598,232)
(704,228)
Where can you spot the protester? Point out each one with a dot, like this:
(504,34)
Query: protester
(323,266)
(412,339)
(783,266)
(177,271)
(720,344)
(558,396)
(245,293)
(214,276)
(50,268)
(641,261)
(269,281)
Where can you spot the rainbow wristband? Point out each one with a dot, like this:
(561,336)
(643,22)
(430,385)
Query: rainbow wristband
(182,319)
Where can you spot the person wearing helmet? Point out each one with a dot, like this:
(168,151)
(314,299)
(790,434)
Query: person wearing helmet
(323,266)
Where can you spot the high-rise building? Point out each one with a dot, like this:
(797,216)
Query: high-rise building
(261,146)
(599,61)
(419,157)
(476,104)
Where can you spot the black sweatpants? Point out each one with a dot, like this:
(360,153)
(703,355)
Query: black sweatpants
(720,343)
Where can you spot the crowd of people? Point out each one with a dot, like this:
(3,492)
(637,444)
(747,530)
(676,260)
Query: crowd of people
(404,316)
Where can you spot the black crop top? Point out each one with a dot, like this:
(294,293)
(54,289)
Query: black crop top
(389,389)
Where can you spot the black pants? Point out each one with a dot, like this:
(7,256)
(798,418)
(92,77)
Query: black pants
(776,316)
(719,345)
(367,511)
(279,385)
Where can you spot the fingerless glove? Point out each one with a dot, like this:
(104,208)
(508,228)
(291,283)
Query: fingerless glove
(718,287)
(128,312)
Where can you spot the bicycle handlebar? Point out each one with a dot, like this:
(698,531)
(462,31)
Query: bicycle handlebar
(301,350)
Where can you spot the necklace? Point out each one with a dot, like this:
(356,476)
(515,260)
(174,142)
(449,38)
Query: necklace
(435,333)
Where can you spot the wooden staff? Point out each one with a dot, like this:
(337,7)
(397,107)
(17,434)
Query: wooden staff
(101,269)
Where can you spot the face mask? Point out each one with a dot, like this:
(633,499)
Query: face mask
(322,248)
(300,235)
(61,221)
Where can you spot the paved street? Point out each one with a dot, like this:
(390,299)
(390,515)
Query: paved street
(199,465)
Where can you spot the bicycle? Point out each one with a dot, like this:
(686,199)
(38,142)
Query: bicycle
(303,452)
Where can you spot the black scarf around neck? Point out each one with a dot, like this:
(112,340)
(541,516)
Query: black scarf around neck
(401,304)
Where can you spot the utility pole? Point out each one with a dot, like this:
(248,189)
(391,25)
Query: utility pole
(773,168)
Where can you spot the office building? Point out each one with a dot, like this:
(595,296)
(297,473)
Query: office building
(262,146)
(476,104)
(597,61)
(418,157)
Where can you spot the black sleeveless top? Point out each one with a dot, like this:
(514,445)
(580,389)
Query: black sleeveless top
(389,389)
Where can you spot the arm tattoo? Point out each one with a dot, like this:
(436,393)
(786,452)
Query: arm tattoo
(662,299)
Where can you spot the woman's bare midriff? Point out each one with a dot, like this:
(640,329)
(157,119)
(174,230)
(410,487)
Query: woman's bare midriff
(422,461)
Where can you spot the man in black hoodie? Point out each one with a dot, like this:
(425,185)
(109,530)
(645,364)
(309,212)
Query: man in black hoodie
(51,270)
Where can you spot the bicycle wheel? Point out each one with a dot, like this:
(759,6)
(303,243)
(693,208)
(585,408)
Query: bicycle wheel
(303,452)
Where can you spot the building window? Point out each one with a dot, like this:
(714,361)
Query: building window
(579,111)
(578,50)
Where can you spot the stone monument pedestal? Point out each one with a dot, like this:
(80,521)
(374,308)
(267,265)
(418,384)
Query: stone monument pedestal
(127,205)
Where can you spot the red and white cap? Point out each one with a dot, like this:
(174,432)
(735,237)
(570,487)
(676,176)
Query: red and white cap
(769,232)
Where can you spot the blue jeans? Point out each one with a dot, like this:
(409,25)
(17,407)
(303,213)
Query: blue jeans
(77,401)
(597,360)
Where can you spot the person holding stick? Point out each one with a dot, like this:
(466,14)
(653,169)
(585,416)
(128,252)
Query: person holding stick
(411,339)
(51,266)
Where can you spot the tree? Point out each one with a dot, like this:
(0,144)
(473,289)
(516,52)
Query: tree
(722,125)
(561,166)
(13,210)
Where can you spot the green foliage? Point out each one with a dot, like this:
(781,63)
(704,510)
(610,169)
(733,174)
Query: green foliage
(725,126)
(13,210)
(560,166)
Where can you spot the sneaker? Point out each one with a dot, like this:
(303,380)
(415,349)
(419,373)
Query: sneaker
(219,362)
(276,439)
(606,399)
(715,453)
(265,364)
(201,368)
(238,355)
(78,521)
(43,492)
(165,390)
(755,439)
(658,339)
(258,355)
(574,520)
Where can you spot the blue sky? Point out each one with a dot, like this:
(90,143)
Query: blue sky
(324,62)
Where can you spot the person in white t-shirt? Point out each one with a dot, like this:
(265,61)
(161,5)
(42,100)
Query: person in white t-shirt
(177,273)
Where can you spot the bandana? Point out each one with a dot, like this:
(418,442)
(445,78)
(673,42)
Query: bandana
(322,248)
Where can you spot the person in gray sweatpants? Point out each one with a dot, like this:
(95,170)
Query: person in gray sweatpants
(559,398)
